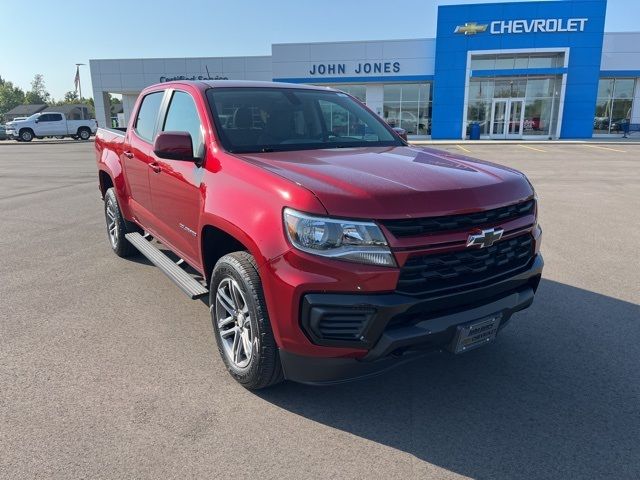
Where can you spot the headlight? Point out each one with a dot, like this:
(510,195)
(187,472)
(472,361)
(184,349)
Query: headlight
(354,241)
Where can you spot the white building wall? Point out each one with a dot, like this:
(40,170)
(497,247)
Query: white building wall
(297,60)
(130,76)
(621,51)
(375,97)
(128,102)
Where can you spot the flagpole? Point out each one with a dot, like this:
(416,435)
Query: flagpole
(79,85)
(78,65)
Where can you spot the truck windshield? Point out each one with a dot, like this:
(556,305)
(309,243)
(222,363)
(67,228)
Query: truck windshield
(254,119)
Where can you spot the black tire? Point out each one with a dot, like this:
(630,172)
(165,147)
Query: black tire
(84,134)
(264,368)
(26,135)
(117,226)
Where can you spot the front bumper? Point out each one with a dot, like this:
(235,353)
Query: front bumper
(395,328)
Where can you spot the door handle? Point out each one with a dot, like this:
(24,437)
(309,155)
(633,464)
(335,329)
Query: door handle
(128,154)
(155,167)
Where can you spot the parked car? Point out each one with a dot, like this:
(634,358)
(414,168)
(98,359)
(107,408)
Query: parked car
(325,257)
(51,124)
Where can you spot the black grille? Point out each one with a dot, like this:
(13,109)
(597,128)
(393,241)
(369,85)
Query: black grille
(421,226)
(457,271)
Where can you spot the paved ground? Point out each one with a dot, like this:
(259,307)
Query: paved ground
(108,371)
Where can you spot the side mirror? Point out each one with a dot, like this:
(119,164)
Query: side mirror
(174,146)
(402,133)
(36,120)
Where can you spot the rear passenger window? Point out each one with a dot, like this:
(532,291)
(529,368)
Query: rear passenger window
(148,115)
(182,116)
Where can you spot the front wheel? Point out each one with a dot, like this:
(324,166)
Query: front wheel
(241,322)
(26,135)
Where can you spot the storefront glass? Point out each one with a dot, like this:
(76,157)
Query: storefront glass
(408,106)
(614,104)
(538,95)
(358,91)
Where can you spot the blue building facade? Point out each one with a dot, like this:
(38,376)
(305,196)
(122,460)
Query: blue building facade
(556,43)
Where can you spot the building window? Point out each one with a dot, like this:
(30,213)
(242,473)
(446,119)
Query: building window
(539,95)
(357,91)
(408,106)
(614,104)
(521,60)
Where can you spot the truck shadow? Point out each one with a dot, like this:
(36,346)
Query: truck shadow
(557,396)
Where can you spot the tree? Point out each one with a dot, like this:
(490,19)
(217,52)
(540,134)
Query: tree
(38,92)
(10,97)
(71,97)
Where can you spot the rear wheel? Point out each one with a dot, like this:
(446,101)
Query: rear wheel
(117,226)
(84,133)
(241,322)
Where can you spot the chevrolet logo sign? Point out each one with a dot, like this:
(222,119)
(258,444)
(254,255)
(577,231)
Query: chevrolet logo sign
(470,28)
(485,238)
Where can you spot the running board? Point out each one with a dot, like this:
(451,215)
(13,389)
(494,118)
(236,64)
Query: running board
(182,279)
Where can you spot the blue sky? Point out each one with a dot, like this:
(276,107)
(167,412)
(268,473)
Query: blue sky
(78,31)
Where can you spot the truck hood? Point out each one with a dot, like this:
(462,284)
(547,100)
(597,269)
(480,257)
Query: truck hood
(396,182)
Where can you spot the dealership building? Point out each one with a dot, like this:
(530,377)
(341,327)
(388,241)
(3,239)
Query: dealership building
(524,70)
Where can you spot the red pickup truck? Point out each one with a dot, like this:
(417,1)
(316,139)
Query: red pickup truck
(328,247)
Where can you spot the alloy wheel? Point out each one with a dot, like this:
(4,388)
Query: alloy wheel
(233,321)
(112,223)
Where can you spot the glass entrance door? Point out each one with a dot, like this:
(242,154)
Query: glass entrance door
(507,117)
(516,118)
(498,118)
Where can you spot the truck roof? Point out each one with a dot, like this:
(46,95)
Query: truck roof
(241,83)
(252,83)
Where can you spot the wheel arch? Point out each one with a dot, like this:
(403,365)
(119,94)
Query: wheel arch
(218,239)
(106,182)
(110,175)
(81,128)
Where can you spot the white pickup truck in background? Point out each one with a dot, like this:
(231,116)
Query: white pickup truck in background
(50,124)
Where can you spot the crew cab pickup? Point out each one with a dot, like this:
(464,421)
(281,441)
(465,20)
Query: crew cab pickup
(329,249)
(50,124)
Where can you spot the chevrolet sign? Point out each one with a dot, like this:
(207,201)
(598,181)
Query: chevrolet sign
(537,25)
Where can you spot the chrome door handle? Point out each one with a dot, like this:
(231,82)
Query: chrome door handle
(128,154)
(155,167)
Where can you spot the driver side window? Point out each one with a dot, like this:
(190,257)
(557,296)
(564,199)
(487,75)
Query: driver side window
(182,116)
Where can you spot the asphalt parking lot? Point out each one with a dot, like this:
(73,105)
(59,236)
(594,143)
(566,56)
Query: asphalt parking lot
(108,371)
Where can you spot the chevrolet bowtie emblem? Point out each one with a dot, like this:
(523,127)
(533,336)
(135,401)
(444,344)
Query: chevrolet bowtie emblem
(485,238)
(470,28)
